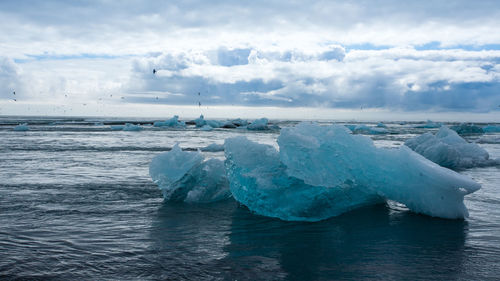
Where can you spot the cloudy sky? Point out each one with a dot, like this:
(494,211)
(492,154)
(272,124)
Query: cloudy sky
(97,57)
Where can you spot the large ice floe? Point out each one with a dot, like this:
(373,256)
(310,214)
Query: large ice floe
(321,172)
(448,149)
(186,176)
(318,172)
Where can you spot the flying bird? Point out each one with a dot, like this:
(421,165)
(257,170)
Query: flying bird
(154,71)
(14,93)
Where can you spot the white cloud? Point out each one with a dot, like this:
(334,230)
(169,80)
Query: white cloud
(299,53)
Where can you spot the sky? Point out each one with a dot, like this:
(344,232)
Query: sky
(303,59)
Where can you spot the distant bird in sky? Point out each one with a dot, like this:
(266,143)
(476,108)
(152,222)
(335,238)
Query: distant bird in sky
(156,97)
(122,98)
(14,99)
(199,104)
(14,93)
(154,71)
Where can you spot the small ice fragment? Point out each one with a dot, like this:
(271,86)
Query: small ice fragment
(22,127)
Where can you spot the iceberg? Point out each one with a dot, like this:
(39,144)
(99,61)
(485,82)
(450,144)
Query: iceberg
(185,176)
(381,125)
(467,129)
(321,172)
(448,149)
(172,122)
(491,129)
(22,127)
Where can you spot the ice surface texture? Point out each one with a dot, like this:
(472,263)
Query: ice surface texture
(321,172)
(448,149)
(185,176)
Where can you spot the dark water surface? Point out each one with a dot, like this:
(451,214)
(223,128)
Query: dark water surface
(76,202)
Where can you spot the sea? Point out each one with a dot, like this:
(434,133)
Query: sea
(77,203)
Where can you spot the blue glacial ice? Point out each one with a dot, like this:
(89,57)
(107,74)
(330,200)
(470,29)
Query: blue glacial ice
(206,128)
(321,172)
(491,129)
(364,129)
(264,186)
(429,125)
(22,127)
(117,127)
(200,121)
(214,147)
(448,149)
(185,176)
(467,129)
(172,122)
(132,127)
(259,124)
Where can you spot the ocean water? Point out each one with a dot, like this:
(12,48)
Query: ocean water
(77,202)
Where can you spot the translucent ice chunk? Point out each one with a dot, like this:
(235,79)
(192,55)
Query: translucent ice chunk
(185,176)
(321,172)
(448,149)
(259,181)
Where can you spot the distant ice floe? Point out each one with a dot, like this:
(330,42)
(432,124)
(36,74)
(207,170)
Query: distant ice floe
(132,127)
(429,125)
(364,129)
(491,129)
(318,172)
(185,176)
(126,127)
(467,129)
(448,149)
(213,147)
(172,122)
(22,127)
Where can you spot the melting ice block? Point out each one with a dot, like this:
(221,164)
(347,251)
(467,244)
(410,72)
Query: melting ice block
(321,172)
(448,149)
(185,176)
